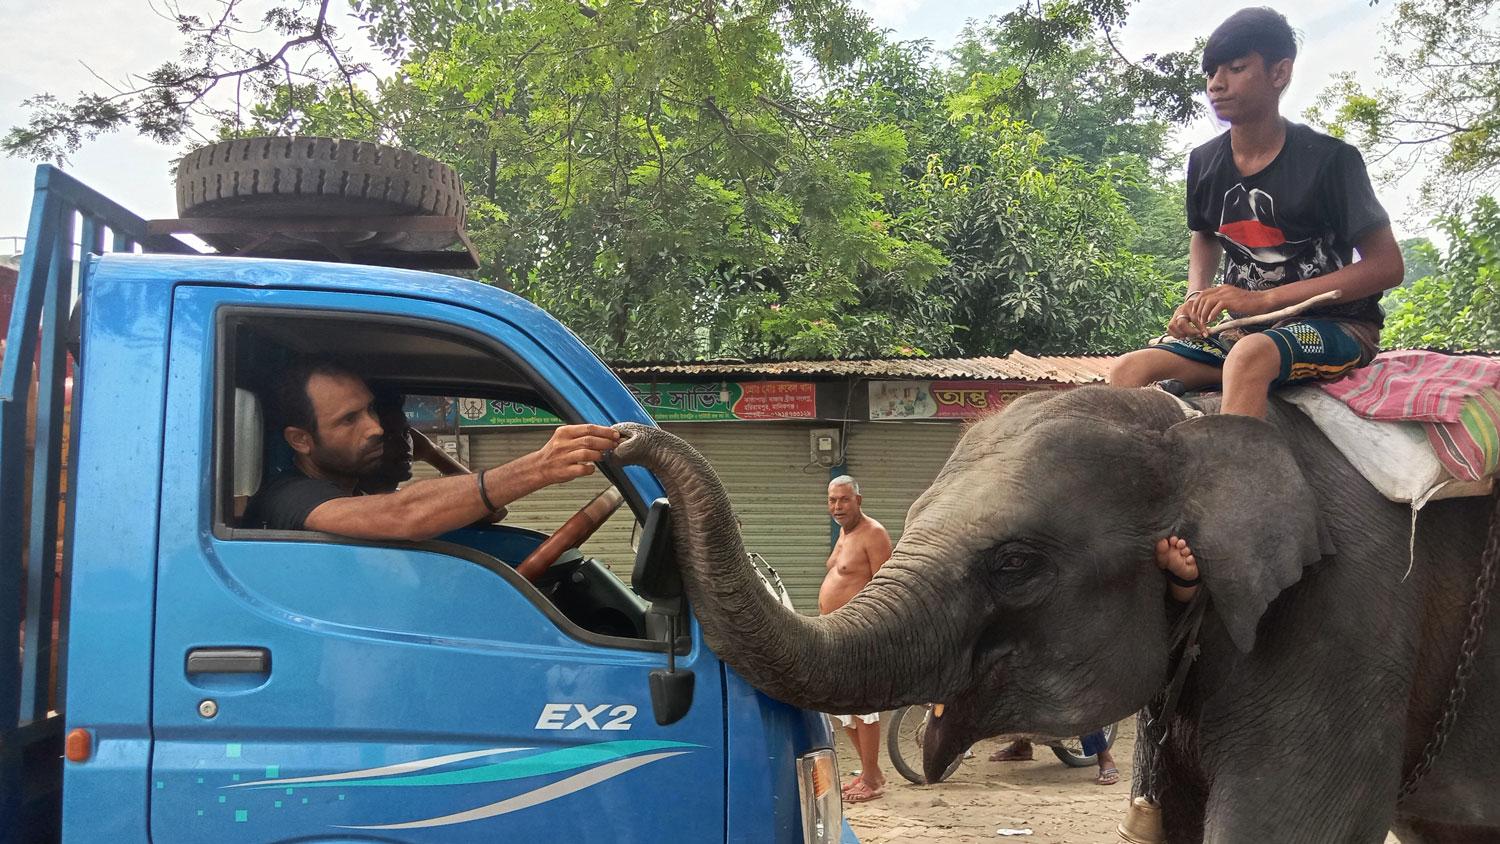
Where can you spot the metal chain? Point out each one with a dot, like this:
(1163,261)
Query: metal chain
(1159,711)
(1155,734)
(1466,653)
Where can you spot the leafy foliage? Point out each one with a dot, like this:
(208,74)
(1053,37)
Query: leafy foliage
(227,49)
(1440,103)
(1039,251)
(1458,306)
(1420,257)
(748,178)
(1060,74)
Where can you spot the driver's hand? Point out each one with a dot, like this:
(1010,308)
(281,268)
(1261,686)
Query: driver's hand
(573,450)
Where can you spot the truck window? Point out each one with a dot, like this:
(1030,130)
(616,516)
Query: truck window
(421,375)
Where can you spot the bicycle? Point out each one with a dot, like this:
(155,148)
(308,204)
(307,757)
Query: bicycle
(908,725)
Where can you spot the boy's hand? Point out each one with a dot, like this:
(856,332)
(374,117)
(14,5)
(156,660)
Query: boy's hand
(1202,310)
(1182,326)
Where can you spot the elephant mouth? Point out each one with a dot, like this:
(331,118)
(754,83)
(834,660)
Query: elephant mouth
(951,729)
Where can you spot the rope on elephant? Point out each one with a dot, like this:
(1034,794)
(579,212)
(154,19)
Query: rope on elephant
(1466,653)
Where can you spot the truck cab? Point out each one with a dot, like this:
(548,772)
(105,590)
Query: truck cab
(222,682)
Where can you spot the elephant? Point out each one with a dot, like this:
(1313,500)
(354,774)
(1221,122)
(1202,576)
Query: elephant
(1024,596)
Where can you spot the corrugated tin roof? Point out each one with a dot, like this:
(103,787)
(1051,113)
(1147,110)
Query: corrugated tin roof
(1013,367)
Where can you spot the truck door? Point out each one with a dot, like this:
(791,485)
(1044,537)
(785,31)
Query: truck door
(310,688)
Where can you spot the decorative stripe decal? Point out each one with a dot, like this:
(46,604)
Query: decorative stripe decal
(542,764)
(561,788)
(388,770)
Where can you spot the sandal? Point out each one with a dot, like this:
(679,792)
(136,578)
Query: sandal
(851,784)
(1010,753)
(862,793)
(1108,776)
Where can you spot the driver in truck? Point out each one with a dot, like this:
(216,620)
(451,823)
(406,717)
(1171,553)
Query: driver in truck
(328,416)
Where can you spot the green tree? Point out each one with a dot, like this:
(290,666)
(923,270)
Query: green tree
(1039,251)
(1421,257)
(671,182)
(1458,306)
(228,61)
(1058,69)
(1040,168)
(1440,102)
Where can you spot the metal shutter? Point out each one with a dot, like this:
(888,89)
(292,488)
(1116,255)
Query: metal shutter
(895,462)
(782,500)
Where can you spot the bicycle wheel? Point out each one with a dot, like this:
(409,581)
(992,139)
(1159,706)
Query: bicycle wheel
(1070,751)
(903,743)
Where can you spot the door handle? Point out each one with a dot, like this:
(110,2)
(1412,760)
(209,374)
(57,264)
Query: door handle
(228,661)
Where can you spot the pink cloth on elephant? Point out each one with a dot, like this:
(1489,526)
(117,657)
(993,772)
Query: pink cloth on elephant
(1455,397)
(1416,386)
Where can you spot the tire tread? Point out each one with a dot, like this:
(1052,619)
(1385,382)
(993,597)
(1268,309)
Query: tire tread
(330,177)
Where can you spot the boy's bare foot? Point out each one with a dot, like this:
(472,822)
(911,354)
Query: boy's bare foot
(1174,555)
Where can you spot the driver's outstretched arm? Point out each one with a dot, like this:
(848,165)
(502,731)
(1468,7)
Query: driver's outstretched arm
(432,507)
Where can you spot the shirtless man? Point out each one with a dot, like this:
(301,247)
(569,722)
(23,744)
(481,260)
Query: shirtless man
(862,548)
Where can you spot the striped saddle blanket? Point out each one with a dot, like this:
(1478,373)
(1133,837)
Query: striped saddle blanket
(1445,410)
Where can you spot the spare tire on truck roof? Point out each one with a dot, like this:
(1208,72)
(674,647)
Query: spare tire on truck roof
(305,178)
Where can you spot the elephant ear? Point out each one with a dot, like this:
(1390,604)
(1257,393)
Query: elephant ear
(1247,511)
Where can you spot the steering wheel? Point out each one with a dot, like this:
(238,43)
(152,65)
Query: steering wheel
(573,533)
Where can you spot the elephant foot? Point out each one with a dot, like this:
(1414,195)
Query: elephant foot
(1175,558)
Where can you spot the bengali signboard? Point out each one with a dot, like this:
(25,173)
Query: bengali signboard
(479,413)
(939,399)
(720,401)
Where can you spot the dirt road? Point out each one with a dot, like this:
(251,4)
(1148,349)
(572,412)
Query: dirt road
(1057,803)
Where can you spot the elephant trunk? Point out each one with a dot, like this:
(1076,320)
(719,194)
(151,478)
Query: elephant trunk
(865,657)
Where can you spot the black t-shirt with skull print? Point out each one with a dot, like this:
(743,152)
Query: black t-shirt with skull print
(1298,218)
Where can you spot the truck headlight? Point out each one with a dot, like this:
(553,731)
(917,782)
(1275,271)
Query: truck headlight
(822,805)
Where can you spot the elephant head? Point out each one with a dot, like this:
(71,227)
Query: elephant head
(1023,594)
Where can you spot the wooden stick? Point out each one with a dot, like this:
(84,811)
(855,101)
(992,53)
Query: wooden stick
(1273,316)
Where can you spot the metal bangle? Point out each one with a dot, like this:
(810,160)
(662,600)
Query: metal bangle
(484,494)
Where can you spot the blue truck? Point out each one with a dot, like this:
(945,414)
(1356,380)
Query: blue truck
(182,676)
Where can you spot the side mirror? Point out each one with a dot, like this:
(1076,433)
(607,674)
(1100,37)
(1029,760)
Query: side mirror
(656,576)
(657,579)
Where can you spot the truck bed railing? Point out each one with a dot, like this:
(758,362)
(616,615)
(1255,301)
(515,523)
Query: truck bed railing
(31,483)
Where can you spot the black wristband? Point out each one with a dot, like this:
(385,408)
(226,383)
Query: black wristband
(484,494)
(1178,580)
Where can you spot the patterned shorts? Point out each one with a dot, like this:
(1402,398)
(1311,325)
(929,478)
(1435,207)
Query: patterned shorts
(1311,349)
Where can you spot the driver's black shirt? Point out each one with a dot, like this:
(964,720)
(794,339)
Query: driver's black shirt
(285,501)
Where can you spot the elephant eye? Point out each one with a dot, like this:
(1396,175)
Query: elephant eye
(1014,562)
(1014,558)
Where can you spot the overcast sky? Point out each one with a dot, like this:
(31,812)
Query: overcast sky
(56,39)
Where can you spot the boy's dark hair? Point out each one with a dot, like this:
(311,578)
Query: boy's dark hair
(1260,30)
(291,405)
